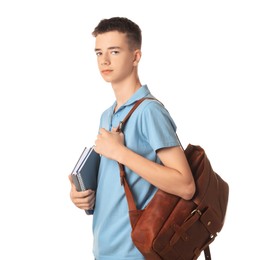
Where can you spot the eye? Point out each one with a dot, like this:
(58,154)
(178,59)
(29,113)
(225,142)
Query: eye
(114,52)
(98,53)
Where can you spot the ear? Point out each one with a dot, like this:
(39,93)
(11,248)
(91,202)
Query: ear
(137,57)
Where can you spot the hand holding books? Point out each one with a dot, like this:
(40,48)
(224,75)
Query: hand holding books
(84,174)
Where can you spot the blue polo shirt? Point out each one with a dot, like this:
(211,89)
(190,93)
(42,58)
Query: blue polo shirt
(148,129)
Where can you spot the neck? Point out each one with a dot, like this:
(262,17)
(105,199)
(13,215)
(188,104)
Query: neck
(124,90)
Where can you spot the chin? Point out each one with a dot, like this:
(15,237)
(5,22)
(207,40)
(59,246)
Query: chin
(107,80)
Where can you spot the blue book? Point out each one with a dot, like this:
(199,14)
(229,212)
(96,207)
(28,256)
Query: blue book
(85,172)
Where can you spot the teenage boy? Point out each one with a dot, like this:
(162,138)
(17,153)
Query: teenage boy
(149,148)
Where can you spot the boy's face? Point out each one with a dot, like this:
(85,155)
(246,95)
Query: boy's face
(116,61)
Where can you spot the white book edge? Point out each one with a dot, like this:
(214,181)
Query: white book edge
(80,160)
(85,159)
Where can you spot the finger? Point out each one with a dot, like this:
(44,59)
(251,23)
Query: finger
(83,194)
(79,198)
(85,203)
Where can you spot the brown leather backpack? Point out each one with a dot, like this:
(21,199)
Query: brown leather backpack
(172,228)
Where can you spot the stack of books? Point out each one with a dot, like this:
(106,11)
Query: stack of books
(85,172)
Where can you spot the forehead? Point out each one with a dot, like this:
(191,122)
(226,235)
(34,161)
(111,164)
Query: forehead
(111,39)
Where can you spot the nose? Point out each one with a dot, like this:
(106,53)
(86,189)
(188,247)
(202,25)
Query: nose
(105,59)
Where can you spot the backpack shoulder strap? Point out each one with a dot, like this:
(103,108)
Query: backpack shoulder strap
(129,196)
(122,123)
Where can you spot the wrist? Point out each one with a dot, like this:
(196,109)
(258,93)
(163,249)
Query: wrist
(121,154)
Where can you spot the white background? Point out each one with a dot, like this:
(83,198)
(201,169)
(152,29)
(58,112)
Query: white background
(207,61)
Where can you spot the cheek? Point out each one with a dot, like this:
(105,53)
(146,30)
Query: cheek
(127,64)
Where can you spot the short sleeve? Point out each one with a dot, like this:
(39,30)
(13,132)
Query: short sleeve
(158,127)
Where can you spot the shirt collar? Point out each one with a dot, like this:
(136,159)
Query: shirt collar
(142,92)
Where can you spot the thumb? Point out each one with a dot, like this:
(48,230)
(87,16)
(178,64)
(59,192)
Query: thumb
(70,179)
(73,187)
(114,129)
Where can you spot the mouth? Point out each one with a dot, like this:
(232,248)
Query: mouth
(106,72)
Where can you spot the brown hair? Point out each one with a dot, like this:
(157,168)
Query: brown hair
(123,25)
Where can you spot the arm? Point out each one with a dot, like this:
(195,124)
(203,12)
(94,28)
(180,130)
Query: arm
(174,176)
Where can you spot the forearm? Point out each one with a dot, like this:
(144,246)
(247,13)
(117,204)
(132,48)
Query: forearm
(165,178)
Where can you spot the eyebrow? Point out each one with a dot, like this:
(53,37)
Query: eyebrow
(110,48)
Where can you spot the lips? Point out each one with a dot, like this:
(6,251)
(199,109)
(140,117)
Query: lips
(106,72)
